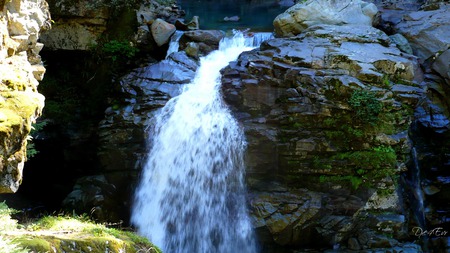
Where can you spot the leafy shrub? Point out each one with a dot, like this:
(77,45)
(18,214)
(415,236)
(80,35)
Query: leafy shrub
(366,106)
(31,148)
(6,223)
(119,50)
(9,246)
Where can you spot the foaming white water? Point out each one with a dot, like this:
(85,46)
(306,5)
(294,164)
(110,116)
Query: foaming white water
(191,198)
(174,43)
(259,38)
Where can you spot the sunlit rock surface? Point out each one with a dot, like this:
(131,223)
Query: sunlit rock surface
(20,70)
(315,168)
(305,14)
(77,24)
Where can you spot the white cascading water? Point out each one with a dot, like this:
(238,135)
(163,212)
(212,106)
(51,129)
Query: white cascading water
(191,198)
(173,44)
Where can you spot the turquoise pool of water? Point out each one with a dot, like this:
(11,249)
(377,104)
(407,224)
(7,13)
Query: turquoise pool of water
(257,15)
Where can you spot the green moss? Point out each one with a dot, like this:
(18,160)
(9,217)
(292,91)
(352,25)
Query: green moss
(375,158)
(369,166)
(118,50)
(68,234)
(16,107)
(354,181)
(366,106)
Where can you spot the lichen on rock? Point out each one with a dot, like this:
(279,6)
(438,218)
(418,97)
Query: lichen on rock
(20,70)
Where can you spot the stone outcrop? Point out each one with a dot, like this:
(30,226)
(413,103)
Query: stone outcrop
(161,31)
(126,127)
(204,41)
(20,70)
(317,165)
(428,31)
(429,35)
(312,12)
(77,24)
(81,24)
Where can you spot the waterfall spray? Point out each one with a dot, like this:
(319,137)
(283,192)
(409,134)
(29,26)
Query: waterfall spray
(191,198)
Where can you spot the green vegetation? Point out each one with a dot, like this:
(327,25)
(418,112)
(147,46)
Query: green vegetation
(368,166)
(366,106)
(115,5)
(66,234)
(63,100)
(386,82)
(116,50)
(31,149)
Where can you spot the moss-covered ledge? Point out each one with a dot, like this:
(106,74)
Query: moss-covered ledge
(66,234)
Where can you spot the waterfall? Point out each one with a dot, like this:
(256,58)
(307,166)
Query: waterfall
(260,37)
(173,43)
(191,198)
(417,190)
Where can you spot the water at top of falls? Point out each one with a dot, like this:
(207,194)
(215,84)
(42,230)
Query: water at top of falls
(173,44)
(191,198)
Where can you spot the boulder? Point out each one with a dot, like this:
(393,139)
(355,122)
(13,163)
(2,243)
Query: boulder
(232,19)
(191,25)
(92,193)
(206,41)
(312,12)
(161,31)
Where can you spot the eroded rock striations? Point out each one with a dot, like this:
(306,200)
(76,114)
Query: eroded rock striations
(21,22)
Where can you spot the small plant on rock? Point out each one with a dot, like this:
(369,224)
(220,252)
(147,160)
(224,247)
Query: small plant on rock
(366,106)
(119,50)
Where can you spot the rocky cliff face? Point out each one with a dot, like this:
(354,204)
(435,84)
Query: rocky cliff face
(326,115)
(21,22)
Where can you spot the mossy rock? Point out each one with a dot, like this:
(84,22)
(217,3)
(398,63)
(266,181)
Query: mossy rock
(17,108)
(80,242)
(71,234)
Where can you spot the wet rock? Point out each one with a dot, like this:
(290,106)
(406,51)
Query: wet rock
(207,40)
(192,49)
(428,34)
(303,15)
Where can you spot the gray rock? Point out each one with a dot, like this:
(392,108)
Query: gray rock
(206,40)
(303,15)
(300,86)
(161,31)
(353,244)
(428,32)
(402,43)
(93,195)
